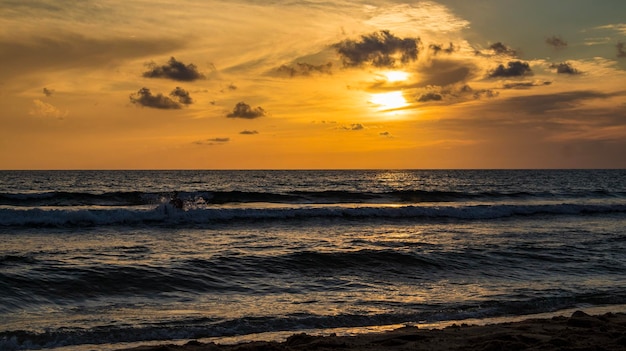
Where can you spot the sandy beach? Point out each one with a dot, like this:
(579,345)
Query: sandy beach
(580,331)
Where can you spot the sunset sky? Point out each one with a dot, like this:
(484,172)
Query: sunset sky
(249,84)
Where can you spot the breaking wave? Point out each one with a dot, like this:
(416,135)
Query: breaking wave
(166,214)
(135,198)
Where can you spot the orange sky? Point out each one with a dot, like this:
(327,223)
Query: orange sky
(316,84)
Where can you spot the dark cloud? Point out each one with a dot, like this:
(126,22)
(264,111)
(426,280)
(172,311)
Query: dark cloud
(556,42)
(145,98)
(182,95)
(454,94)
(385,134)
(175,70)
(305,69)
(243,110)
(501,49)
(564,68)
(436,48)
(48,92)
(513,69)
(353,126)
(380,49)
(212,141)
(621,49)
(430,96)
(525,85)
(230,87)
(467,91)
(219,140)
(483,93)
(248,132)
(357,126)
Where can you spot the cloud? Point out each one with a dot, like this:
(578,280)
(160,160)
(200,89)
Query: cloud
(379,49)
(546,116)
(353,126)
(175,70)
(556,42)
(564,68)
(525,85)
(446,72)
(212,141)
(430,96)
(219,140)
(428,17)
(621,49)
(305,69)
(620,27)
(385,134)
(243,110)
(357,126)
(182,95)
(501,49)
(229,87)
(454,94)
(46,110)
(539,104)
(48,92)
(63,50)
(482,93)
(597,41)
(436,48)
(248,132)
(145,98)
(513,69)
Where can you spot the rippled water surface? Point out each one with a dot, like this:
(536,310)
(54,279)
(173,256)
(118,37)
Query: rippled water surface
(104,257)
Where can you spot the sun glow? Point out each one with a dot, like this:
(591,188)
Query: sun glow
(389,101)
(396,76)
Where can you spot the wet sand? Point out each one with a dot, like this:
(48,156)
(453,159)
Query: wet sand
(580,332)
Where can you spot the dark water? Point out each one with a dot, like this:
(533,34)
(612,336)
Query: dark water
(103,257)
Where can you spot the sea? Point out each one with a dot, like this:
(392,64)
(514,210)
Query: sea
(99,260)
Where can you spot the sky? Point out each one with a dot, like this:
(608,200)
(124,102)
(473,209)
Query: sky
(317,84)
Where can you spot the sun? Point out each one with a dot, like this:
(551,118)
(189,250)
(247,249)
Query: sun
(389,101)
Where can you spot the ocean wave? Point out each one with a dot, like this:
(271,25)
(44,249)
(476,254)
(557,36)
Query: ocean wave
(199,328)
(166,214)
(76,199)
(12,260)
(40,281)
(135,198)
(36,281)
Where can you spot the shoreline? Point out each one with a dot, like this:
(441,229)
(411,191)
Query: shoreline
(579,331)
